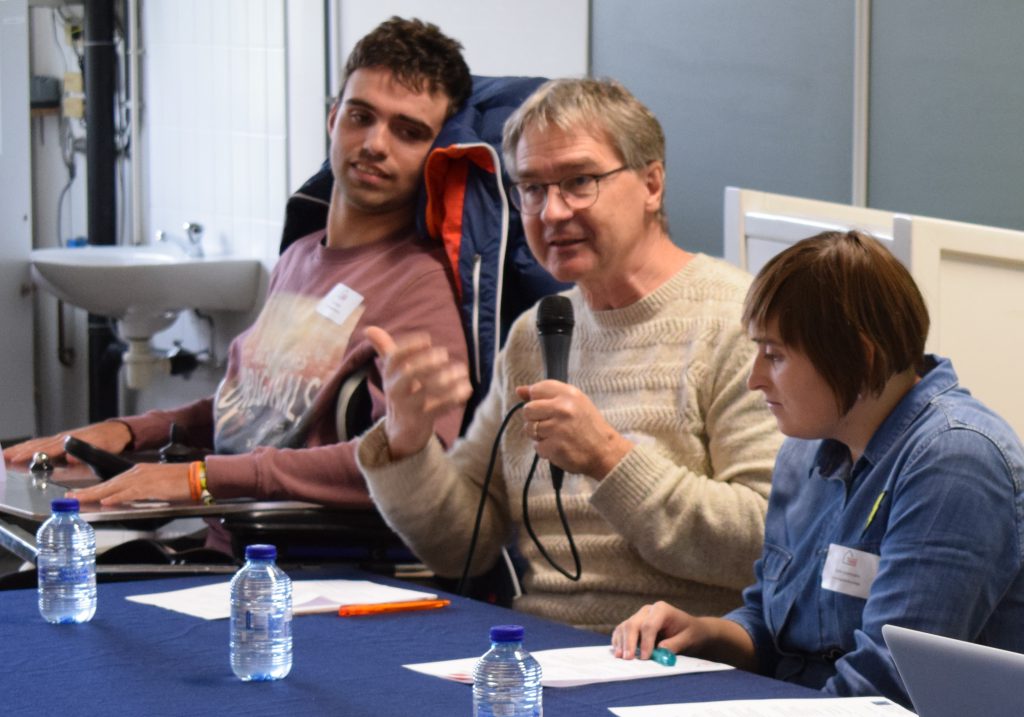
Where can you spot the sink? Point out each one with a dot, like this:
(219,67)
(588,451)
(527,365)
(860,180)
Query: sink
(110,280)
(145,287)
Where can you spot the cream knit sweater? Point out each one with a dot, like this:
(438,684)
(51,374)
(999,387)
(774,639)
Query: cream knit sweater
(680,518)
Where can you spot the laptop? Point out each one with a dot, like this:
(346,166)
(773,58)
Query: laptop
(952,678)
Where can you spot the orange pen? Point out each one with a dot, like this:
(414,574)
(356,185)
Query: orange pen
(385,607)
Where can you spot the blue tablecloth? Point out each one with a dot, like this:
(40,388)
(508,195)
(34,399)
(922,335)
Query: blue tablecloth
(135,659)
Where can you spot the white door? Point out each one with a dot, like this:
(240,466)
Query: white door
(17,406)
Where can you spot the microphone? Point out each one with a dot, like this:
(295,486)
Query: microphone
(554,327)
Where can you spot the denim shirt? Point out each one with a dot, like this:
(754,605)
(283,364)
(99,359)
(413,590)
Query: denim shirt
(949,530)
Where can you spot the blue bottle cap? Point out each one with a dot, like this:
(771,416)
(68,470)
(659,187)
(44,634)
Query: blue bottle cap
(507,633)
(260,552)
(64,505)
(75,242)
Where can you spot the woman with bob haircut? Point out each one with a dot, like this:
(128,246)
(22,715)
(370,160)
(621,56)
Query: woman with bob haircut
(896,498)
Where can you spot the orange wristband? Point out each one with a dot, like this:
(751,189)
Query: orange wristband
(196,480)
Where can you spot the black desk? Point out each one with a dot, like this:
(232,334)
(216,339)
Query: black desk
(139,660)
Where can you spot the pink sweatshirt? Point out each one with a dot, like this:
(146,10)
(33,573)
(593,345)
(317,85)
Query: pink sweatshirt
(272,421)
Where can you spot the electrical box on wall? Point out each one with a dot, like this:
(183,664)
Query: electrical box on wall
(44,92)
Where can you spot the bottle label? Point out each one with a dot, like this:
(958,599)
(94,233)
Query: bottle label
(57,573)
(264,624)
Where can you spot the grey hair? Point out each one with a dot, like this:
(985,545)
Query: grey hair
(602,106)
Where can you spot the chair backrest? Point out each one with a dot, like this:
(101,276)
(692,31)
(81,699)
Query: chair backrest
(306,210)
(971,276)
(759,225)
(972,279)
(354,408)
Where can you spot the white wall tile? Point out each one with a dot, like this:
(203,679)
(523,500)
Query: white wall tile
(222,175)
(203,32)
(204,178)
(275,93)
(239,206)
(220,21)
(256,95)
(239,87)
(257,20)
(237,25)
(219,109)
(275,25)
(257,151)
(215,128)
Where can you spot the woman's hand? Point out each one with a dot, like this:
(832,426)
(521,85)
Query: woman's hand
(679,630)
(712,638)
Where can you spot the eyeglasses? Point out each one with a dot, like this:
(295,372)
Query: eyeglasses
(578,192)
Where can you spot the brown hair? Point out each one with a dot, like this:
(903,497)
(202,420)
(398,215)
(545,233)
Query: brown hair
(419,55)
(602,105)
(849,305)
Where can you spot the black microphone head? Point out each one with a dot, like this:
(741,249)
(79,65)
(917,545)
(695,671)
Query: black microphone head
(554,315)
(554,326)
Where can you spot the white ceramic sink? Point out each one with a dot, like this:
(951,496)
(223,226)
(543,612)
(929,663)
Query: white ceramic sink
(145,286)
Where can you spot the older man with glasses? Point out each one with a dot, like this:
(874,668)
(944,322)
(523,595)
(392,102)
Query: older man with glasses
(667,456)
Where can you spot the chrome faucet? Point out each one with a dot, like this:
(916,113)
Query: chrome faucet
(192,246)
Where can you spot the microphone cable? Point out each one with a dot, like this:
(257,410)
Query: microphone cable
(565,526)
(526,514)
(483,495)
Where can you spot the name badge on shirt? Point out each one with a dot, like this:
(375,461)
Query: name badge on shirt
(339,303)
(849,571)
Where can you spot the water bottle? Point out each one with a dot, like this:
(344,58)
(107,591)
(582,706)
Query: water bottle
(506,681)
(261,617)
(66,565)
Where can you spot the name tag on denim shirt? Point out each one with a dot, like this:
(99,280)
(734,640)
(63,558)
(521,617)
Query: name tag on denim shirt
(339,303)
(849,571)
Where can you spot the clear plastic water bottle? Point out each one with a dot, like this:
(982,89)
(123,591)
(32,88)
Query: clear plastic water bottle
(66,565)
(506,681)
(261,617)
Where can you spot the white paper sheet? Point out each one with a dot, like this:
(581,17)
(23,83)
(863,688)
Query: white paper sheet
(212,602)
(814,707)
(573,666)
